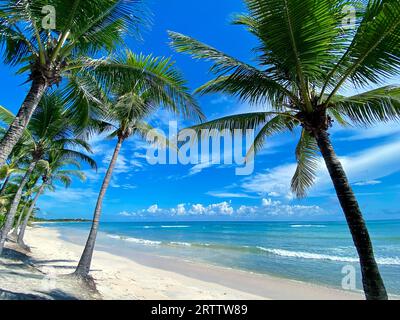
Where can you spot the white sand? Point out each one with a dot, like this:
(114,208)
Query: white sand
(121,278)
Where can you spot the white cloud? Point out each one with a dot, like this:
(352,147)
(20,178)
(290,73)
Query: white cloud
(222,99)
(71,195)
(180,209)
(218,194)
(369,165)
(267,209)
(125,214)
(276,181)
(380,130)
(270,208)
(198,209)
(153,209)
(221,208)
(367,183)
(269,203)
(200,167)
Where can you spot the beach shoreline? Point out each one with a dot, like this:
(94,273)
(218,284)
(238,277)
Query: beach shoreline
(162,278)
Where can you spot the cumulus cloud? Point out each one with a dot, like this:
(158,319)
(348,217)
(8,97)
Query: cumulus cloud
(153,209)
(268,208)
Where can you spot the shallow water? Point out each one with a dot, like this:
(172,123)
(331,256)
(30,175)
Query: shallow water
(311,252)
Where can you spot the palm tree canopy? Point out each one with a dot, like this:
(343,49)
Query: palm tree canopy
(304,57)
(61,168)
(50,130)
(81,28)
(145,83)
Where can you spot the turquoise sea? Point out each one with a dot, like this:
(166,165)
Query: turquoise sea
(312,252)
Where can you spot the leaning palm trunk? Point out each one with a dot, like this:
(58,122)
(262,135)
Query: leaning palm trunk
(374,287)
(14,234)
(3,187)
(21,234)
(21,121)
(83,267)
(13,208)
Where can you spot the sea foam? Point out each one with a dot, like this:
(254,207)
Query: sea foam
(317,256)
(167,227)
(308,226)
(136,240)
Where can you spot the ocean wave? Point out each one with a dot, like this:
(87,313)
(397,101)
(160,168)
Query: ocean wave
(317,256)
(167,227)
(389,261)
(308,226)
(183,244)
(136,240)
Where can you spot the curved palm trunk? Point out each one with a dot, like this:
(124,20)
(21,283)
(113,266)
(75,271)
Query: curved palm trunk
(14,234)
(21,121)
(374,287)
(83,267)
(21,234)
(13,208)
(3,187)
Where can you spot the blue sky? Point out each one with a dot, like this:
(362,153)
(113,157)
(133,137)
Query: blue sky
(140,191)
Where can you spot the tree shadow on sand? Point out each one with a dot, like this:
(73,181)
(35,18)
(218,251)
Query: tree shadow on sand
(18,267)
(51,295)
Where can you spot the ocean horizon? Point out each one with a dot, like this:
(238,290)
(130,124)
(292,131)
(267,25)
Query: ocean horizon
(313,252)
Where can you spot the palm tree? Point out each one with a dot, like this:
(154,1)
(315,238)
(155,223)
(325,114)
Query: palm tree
(49,130)
(24,203)
(131,102)
(60,167)
(81,29)
(17,158)
(304,57)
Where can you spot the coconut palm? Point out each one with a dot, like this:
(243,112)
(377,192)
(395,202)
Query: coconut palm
(60,168)
(48,47)
(304,56)
(13,164)
(24,204)
(49,130)
(131,101)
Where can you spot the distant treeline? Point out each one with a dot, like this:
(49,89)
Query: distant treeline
(60,220)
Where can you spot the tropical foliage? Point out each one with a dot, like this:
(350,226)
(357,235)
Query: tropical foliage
(49,131)
(48,52)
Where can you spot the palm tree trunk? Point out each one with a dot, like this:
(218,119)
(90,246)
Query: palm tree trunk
(374,287)
(83,267)
(21,121)
(13,208)
(3,187)
(21,234)
(14,234)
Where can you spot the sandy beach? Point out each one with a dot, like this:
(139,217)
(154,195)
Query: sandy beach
(39,274)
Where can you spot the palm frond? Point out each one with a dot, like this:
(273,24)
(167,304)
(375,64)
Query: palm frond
(72,154)
(277,124)
(155,75)
(378,105)
(374,53)
(307,164)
